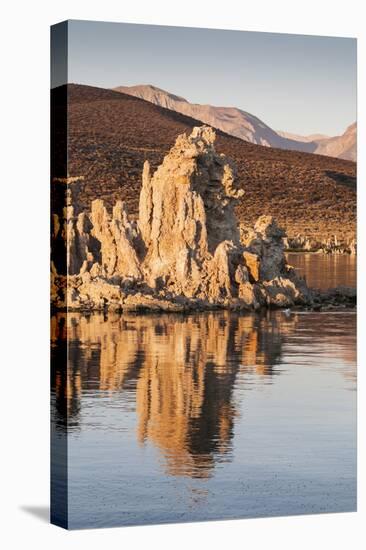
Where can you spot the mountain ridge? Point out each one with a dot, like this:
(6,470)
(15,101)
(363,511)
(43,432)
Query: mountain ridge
(244,125)
(231,120)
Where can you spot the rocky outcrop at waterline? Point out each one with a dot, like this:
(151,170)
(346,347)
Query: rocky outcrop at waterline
(304,243)
(333,298)
(332,245)
(185,250)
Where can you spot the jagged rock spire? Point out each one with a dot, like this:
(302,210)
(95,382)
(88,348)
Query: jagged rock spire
(185,250)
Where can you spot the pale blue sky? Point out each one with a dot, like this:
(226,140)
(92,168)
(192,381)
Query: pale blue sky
(301,84)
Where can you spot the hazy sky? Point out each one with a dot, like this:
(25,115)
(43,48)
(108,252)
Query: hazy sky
(301,84)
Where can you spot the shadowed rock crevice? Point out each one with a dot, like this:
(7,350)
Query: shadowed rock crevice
(185,250)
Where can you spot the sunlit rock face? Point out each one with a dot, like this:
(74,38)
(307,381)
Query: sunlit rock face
(187,217)
(185,251)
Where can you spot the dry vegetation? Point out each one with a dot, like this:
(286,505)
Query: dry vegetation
(110,135)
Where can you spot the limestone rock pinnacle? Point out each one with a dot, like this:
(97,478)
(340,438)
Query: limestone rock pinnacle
(185,251)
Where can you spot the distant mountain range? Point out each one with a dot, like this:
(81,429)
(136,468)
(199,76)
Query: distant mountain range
(344,146)
(296,137)
(246,126)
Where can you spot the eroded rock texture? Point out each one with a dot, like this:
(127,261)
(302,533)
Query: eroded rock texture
(185,251)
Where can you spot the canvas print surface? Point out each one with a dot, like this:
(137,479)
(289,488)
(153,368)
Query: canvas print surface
(203,274)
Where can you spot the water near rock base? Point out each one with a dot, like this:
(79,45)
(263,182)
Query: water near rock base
(210,416)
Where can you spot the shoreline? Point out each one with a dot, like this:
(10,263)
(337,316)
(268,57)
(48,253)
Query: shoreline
(333,299)
(319,251)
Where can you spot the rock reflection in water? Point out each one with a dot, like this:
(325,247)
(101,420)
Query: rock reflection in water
(325,270)
(182,370)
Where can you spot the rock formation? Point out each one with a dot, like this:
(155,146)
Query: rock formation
(184,252)
(331,245)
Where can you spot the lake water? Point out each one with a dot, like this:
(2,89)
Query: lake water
(325,270)
(219,415)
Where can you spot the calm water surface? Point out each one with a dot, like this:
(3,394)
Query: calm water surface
(325,270)
(216,415)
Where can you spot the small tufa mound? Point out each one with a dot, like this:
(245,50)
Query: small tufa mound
(185,251)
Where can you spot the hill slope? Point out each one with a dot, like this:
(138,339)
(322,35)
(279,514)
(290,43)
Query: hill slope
(343,146)
(296,137)
(111,134)
(243,125)
(230,120)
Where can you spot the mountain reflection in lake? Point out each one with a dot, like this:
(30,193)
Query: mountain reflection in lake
(205,416)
